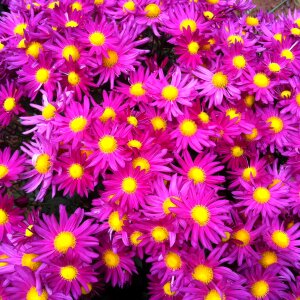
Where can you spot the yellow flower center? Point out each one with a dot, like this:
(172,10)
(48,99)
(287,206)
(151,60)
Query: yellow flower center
(64,241)
(274,182)
(268,258)
(286,94)
(298,99)
(73,78)
(248,173)
(137,89)
(188,23)
(249,100)
(261,195)
(239,61)
(86,292)
(48,112)
(135,238)
(212,1)
(188,127)
(109,113)
(114,221)
(3,217)
(252,21)
(170,92)
(27,261)
(261,80)
(260,289)
(34,49)
(28,231)
(1,46)
(204,117)
(253,135)
(33,294)
(141,162)
(129,185)
(237,151)
(232,39)
(274,67)
(53,4)
(110,259)
(72,24)
(276,124)
(9,104)
(213,295)
(280,239)
(203,274)
(152,10)
(158,123)
(287,54)
(167,204)
(278,37)
(242,236)
(297,22)
(193,48)
(160,234)
(197,175)
(97,38)
(134,144)
(219,80)
(227,237)
(208,14)
(3,256)
(232,113)
(3,171)
(78,124)
(167,289)
(129,5)
(68,273)
(76,171)
(98,2)
(19,29)
(111,60)
(173,261)
(200,214)
(70,51)
(77,6)
(42,75)
(132,121)
(107,144)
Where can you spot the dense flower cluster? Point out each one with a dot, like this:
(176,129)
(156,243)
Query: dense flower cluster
(184,116)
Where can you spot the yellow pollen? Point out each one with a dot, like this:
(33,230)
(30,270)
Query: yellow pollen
(232,39)
(114,221)
(64,241)
(275,124)
(129,5)
(158,123)
(261,80)
(298,99)
(252,21)
(110,259)
(1,46)
(135,238)
(167,204)
(28,231)
(213,295)
(78,124)
(268,258)
(208,14)
(160,234)
(204,117)
(280,239)
(237,151)
(278,37)
(3,217)
(73,78)
(242,236)
(200,214)
(70,51)
(260,289)
(77,6)
(27,261)
(170,92)
(48,112)
(297,22)
(72,24)
(173,261)
(212,1)
(142,163)
(197,175)
(86,292)
(3,171)
(33,294)
(188,23)
(232,113)
(137,90)
(286,94)
(253,135)
(203,274)
(274,182)
(3,256)
(129,185)
(132,121)
(98,2)
(188,127)
(9,104)
(249,100)
(97,38)
(287,54)
(249,173)
(152,10)
(19,29)
(134,144)
(167,289)
(227,237)
(261,195)
(42,75)
(109,113)
(108,144)
(219,80)
(53,4)
(111,60)
(76,171)
(193,48)
(239,61)
(68,273)
(34,49)
(43,164)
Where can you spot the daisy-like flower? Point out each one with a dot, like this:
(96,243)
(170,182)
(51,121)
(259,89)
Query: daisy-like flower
(74,174)
(11,166)
(71,235)
(171,97)
(203,217)
(13,24)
